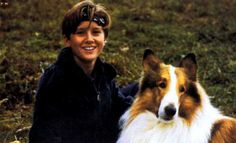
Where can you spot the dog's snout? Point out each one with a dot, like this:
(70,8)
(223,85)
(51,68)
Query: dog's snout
(170,110)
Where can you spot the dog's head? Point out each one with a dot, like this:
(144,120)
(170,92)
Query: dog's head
(168,92)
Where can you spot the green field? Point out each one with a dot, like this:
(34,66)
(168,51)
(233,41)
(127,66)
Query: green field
(30,40)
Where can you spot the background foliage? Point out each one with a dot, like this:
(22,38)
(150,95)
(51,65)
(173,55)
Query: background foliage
(30,40)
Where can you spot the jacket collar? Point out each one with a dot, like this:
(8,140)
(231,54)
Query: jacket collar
(66,61)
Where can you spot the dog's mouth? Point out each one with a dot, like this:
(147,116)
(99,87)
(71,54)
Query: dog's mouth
(166,118)
(166,121)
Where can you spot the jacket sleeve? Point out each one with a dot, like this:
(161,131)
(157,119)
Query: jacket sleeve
(46,110)
(129,91)
(123,97)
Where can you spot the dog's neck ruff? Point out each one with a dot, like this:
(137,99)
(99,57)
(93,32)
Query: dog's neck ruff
(147,128)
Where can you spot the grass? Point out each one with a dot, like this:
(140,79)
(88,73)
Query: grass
(30,39)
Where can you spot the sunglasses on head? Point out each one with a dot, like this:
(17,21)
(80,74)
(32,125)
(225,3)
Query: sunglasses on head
(86,12)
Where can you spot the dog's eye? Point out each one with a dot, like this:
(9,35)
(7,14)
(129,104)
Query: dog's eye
(182,89)
(162,85)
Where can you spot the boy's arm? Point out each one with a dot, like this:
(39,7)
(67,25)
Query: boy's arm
(123,97)
(45,122)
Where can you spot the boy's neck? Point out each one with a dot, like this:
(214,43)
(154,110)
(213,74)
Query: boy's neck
(86,66)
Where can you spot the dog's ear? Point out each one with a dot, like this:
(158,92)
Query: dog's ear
(189,63)
(150,61)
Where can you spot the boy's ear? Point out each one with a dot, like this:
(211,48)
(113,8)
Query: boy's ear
(104,43)
(67,42)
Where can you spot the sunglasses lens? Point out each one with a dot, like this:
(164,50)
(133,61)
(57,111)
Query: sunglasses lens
(85,12)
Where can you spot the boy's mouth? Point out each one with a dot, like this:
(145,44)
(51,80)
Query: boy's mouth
(89,48)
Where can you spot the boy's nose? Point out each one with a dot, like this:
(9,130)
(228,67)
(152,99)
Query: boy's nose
(89,37)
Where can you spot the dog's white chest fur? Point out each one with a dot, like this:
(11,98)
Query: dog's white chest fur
(146,128)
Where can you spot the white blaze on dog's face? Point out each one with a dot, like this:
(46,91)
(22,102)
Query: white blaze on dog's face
(167,91)
(169,105)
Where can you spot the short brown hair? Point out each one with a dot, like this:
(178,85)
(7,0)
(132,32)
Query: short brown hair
(82,11)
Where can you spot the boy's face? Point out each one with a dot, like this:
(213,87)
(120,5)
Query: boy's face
(87,43)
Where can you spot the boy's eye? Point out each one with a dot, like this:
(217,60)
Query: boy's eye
(81,32)
(97,31)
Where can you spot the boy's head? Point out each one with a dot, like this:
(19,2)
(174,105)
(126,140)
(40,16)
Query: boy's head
(85,11)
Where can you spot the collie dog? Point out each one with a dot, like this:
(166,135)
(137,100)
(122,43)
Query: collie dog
(172,107)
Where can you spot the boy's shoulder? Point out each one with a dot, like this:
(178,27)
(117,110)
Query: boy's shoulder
(53,69)
(52,74)
(110,70)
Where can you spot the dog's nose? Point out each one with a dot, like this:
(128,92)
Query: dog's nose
(170,110)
